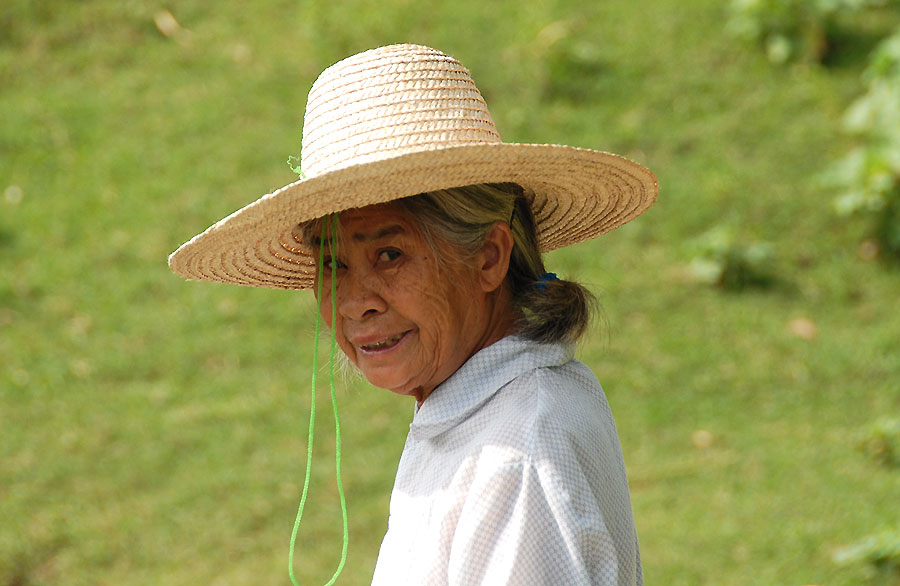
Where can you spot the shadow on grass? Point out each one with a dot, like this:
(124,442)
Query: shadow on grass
(849,44)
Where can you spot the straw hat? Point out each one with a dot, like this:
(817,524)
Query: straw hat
(398,121)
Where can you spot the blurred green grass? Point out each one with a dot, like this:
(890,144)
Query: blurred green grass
(153,431)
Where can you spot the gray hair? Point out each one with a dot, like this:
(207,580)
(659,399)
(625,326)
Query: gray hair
(549,310)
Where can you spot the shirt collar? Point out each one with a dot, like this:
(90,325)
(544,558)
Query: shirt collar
(479,378)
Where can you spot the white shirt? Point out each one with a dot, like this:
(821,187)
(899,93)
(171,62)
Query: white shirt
(512,473)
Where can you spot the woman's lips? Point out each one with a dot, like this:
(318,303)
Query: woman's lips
(383,344)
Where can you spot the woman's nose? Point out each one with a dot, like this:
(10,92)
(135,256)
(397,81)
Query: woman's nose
(358,295)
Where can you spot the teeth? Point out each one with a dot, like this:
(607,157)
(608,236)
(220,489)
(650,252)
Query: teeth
(383,343)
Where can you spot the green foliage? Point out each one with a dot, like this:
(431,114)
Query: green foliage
(792,30)
(721,259)
(882,441)
(869,175)
(880,550)
(572,62)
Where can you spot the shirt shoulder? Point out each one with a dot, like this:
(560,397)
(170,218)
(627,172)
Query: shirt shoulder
(557,406)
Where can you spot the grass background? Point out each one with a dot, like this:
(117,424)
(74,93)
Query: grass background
(153,431)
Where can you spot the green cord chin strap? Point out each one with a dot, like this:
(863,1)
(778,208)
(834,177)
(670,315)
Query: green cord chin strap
(312,410)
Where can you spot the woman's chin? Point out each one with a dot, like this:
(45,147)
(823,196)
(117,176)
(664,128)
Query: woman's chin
(389,381)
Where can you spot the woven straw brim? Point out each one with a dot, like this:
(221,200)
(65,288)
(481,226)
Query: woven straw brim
(576,194)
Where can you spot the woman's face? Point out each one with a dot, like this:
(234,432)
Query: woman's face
(405,323)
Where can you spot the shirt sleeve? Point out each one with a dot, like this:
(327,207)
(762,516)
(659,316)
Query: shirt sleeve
(519,527)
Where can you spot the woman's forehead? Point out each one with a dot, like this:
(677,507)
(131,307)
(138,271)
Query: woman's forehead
(370,223)
(376,222)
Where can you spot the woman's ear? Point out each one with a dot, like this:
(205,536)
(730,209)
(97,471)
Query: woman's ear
(494,257)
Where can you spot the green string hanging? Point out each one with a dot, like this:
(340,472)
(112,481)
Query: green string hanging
(312,412)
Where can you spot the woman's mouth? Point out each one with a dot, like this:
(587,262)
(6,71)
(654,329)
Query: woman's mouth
(385,344)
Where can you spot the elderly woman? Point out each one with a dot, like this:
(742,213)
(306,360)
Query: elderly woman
(430,232)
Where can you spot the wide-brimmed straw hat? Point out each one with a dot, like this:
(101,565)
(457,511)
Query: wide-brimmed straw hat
(398,121)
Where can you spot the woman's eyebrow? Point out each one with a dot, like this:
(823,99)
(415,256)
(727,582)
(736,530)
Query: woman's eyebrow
(391,230)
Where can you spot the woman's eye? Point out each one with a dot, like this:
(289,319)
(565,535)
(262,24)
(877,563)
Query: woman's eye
(388,255)
(333,264)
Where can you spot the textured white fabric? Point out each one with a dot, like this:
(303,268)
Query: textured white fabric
(512,474)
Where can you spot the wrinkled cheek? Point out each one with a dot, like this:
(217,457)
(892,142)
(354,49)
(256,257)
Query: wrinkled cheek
(325,310)
(348,349)
(426,355)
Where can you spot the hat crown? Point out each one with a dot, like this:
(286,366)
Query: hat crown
(389,102)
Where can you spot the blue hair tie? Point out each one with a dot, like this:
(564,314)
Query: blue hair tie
(543,279)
